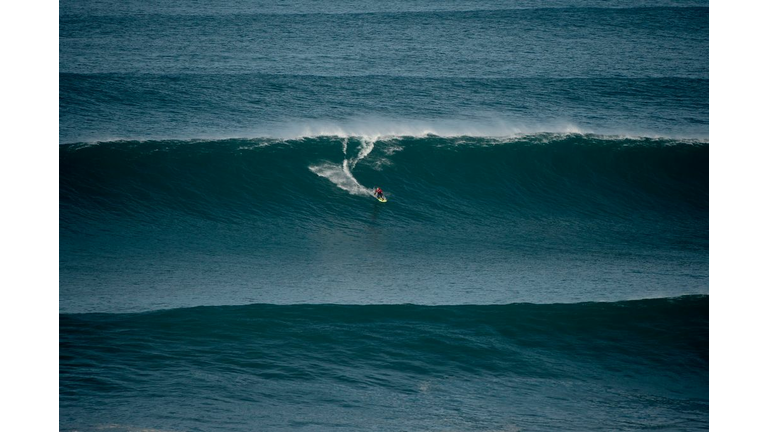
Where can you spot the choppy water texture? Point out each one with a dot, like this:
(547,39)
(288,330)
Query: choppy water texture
(541,264)
(191,70)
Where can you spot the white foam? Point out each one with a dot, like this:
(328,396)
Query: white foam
(342,175)
(374,129)
(366,145)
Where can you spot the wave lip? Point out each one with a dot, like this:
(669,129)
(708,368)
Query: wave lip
(375,129)
(372,130)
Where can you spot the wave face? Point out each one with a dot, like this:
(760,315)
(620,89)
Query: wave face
(483,220)
(639,364)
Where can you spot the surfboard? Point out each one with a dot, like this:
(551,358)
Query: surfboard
(382,199)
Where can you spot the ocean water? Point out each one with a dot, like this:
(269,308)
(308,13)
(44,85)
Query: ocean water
(541,264)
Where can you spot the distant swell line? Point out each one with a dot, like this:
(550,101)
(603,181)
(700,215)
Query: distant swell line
(78,16)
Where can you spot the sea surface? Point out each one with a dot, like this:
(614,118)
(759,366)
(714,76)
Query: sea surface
(542,262)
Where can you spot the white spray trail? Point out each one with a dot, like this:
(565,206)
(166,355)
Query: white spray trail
(342,176)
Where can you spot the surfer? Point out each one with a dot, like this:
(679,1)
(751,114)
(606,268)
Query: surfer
(379,193)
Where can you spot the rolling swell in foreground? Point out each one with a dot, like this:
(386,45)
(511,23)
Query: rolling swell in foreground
(635,365)
(470,220)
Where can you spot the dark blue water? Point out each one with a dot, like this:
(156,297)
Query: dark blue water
(597,366)
(541,264)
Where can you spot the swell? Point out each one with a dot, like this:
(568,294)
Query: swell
(490,42)
(657,343)
(68,13)
(98,107)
